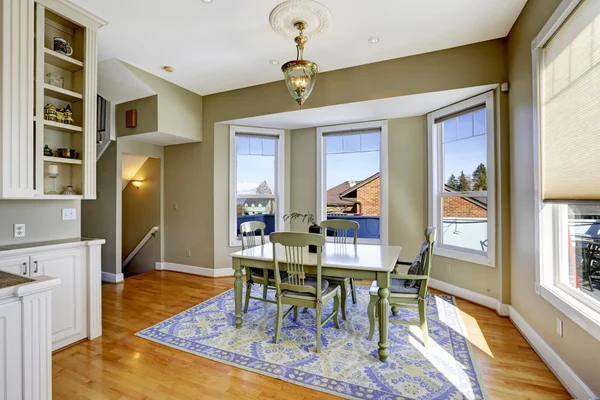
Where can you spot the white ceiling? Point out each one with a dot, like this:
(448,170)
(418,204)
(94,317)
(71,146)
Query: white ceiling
(160,138)
(228,44)
(392,107)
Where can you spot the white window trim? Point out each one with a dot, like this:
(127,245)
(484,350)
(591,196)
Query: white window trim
(383,174)
(435,174)
(547,216)
(234,241)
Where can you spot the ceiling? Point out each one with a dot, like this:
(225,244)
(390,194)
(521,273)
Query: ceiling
(227,44)
(392,107)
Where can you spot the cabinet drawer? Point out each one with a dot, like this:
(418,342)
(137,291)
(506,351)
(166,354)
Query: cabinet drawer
(15,265)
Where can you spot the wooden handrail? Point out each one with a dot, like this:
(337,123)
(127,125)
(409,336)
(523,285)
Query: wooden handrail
(141,244)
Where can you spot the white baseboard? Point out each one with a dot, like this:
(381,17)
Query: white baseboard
(112,278)
(189,269)
(563,372)
(474,297)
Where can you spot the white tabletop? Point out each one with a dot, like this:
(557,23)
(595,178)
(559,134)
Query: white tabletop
(348,256)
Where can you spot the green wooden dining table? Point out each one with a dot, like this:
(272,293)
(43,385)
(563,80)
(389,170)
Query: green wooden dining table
(358,261)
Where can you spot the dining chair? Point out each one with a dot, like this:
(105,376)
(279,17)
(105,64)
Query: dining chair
(301,290)
(264,277)
(340,228)
(408,290)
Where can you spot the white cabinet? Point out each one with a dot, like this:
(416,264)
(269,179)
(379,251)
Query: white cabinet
(15,265)
(76,303)
(11,356)
(26,56)
(16,99)
(69,299)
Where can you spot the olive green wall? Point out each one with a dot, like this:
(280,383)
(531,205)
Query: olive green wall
(141,212)
(179,110)
(192,169)
(577,348)
(147,116)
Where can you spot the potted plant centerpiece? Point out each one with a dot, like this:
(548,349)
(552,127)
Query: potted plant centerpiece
(308,218)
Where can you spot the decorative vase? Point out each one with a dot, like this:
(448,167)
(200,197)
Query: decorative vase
(314,229)
(69,191)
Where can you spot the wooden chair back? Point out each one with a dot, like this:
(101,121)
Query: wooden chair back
(340,228)
(295,246)
(427,259)
(249,236)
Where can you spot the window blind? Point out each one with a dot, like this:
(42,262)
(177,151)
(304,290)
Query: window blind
(570,112)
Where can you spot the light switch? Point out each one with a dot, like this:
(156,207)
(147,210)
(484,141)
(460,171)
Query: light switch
(19,230)
(69,214)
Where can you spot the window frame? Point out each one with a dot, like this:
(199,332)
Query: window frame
(550,219)
(436,180)
(321,214)
(279,190)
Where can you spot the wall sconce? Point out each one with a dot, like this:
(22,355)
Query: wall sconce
(137,183)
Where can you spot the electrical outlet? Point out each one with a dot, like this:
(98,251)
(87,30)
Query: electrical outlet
(69,214)
(188,253)
(559,327)
(19,230)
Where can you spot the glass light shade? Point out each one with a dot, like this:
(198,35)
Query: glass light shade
(300,77)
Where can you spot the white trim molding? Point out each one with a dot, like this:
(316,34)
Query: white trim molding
(193,270)
(279,189)
(112,278)
(436,180)
(563,372)
(382,126)
(474,297)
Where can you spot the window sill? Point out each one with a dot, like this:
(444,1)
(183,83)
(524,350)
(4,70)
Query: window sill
(576,310)
(463,256)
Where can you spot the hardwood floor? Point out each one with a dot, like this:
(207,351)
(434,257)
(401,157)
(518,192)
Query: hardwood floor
(119,365)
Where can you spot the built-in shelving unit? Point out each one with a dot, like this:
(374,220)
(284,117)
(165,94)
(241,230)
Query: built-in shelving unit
(69,88)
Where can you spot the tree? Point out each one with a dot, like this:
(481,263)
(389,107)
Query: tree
(263,188)
(453,182)
(464,182)
(480,178)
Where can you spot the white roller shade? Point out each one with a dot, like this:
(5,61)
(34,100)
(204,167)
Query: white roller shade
(570,112)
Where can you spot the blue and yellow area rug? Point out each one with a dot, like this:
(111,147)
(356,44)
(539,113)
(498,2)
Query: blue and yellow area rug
(347,365)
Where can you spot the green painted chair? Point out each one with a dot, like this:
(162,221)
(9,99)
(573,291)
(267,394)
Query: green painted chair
(340,228)
(408,290)
(301,290)
(257,276)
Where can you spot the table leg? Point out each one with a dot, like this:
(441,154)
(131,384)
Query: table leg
(237,290)
(384,314)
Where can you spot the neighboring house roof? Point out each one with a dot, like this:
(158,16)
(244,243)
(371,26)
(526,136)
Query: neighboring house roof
(478,201)
(333,195)
(358,185)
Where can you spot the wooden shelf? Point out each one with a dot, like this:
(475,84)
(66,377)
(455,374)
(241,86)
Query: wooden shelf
(60,160)
(58,126)
(59,197)
(62,61)
(61,94)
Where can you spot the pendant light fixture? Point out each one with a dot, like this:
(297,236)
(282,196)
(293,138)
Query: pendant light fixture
(300,74)
(300,19)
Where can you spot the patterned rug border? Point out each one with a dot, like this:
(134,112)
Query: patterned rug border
(380,394)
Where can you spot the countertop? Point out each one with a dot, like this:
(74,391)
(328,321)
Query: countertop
(7,280)
(22,248)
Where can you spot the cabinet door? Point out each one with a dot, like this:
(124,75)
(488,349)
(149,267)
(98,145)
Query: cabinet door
(11,360)
(15,265)
(16,86)
(68,299)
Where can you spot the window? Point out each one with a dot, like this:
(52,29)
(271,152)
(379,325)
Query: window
(256,188)
(352,177)
(566,56)
(461,179)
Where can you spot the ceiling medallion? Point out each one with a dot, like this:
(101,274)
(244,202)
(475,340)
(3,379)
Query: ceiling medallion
(300,75)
